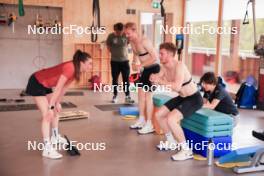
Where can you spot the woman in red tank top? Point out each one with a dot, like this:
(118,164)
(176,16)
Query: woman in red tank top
(47,87)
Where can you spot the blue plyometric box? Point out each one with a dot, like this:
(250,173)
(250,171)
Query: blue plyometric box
(199,143)
(129,111)
(240,155)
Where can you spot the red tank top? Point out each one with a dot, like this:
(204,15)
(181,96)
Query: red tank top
(49,77)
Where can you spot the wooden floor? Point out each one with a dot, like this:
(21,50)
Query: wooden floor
(126,152)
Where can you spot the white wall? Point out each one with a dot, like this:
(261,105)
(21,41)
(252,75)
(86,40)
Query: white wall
(18,50)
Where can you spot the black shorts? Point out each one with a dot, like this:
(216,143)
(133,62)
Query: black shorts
(34,88)
(144,78)
(186,105)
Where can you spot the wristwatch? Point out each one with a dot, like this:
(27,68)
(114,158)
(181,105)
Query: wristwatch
(52,107)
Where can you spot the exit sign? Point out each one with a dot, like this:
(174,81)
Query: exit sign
(156,4)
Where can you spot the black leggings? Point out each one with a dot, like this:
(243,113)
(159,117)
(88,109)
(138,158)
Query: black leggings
(124,68)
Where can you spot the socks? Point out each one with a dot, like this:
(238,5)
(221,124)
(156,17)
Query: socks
(170,138)
(149,123)
(184,146)
(141,119)
(47,143)
(55,132)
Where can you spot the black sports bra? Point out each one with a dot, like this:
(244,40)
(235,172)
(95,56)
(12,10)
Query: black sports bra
(143,54)
(188,82)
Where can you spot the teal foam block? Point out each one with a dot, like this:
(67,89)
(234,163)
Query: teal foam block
(189,122)
(208,117)
(208,134)
(239,155)
(160,99)
(128,111)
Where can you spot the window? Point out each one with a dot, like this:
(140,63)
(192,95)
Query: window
(238,59)
(201,18)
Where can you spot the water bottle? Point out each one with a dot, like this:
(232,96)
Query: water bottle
(210,152)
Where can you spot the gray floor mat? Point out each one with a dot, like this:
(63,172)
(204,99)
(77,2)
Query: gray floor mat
(113,107)
(74,94)
(23,107)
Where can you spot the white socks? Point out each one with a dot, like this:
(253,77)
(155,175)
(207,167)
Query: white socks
(149,123)
(55,132)
(141,119)
(170,138)
(184,146)
(47,143)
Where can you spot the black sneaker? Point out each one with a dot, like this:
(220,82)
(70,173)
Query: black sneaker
(128,100)
(114,100)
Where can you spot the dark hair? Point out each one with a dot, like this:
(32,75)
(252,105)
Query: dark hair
(118,27)
(79,57)
(209,78)
(169,47)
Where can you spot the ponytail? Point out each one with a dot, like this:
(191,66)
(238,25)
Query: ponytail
(79,57)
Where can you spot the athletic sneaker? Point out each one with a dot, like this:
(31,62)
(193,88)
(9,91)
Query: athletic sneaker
(114,100)
(50,152)
(166,145)
(138,125)
(147,128)
(129,100)
(262,160)
(58,140)
(182,155)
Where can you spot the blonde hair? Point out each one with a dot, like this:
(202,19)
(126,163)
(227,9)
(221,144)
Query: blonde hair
(131,25)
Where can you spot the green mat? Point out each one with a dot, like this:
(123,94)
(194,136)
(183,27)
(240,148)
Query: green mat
(208,117)
(189,122)
(160,99)
(208,134)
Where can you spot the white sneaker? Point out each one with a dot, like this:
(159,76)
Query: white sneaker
(138,125)
(182,155)
(166,145)
(147,128)
(262,160)
(58,140)
(50,152)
